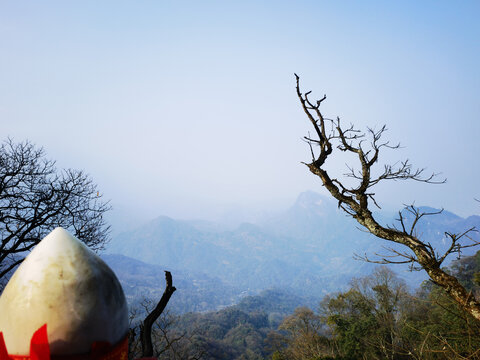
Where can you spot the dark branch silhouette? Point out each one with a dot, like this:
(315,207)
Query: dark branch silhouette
(35,198)
(146,327)
(354,200)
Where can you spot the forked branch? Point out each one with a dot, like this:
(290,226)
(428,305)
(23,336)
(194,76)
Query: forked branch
(354,199)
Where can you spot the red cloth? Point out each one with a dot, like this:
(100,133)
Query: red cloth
(40,350)
(39,347)
(3,349)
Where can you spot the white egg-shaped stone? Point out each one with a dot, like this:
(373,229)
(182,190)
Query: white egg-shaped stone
(67,286)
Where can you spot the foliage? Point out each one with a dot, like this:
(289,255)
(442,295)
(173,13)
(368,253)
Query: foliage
(365,319)
(377,317)
(226,334)
(300,337)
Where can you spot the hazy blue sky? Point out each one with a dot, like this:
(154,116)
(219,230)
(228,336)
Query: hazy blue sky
(185,108)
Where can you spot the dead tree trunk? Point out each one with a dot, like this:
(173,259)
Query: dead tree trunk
(146,326)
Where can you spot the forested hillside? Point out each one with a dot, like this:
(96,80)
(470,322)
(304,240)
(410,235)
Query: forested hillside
(376,317)
(198,292)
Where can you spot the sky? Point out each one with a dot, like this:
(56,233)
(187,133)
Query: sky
(188,108)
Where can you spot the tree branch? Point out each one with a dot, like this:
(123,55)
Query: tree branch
(146,327)
(354,199)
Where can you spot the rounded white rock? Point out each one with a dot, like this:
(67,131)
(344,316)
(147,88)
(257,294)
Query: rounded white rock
(67,286)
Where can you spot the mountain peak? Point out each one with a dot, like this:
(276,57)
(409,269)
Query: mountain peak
(311,199)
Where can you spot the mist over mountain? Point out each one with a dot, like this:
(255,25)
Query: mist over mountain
(141,281)
(307,249)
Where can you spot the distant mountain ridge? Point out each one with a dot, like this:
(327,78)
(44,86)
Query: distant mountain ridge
(141,281)
(308,249)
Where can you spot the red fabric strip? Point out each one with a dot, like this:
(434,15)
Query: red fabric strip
(39,347)
(3,349)
(40,350)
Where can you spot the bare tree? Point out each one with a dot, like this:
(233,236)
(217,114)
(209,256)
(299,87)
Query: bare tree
(356,200)
(35,198)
